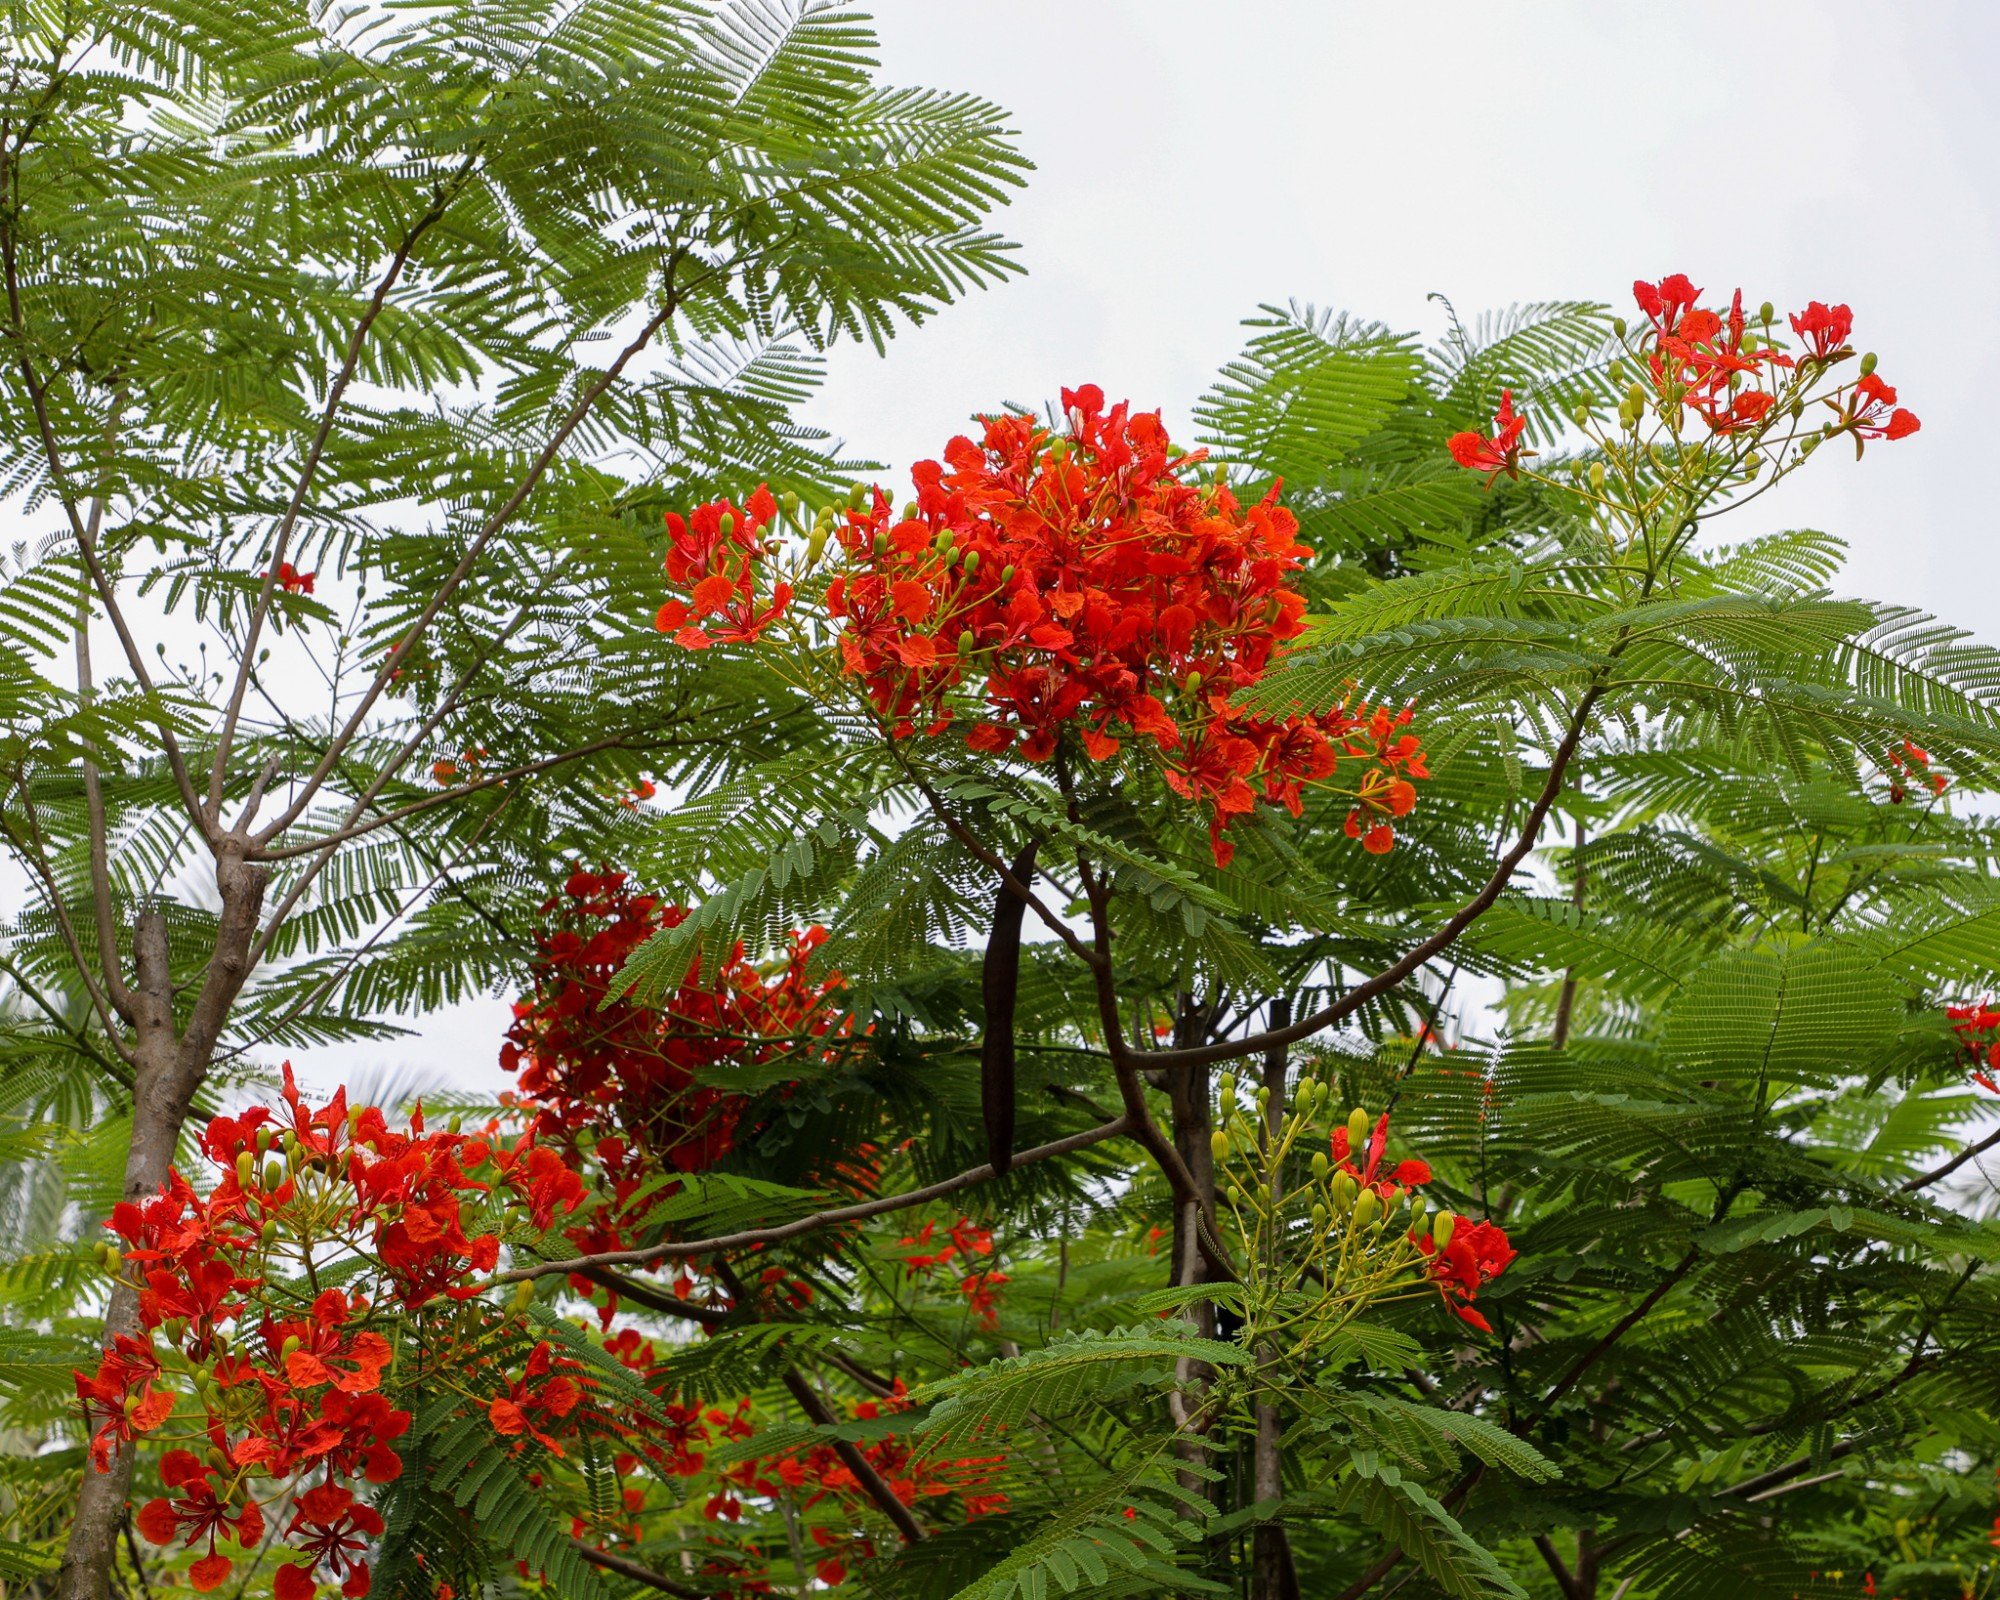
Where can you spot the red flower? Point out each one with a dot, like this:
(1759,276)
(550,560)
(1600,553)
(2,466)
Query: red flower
(1475,1255)
(555,1397)
(1501,453)
(1667,301)
(1824,329)
(292,581)
(1872,413)
(714,553)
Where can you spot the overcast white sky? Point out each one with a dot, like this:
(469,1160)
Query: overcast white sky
(1196,159)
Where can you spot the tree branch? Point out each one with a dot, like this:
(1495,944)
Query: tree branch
(863,1469)
(385,675)
(681,1249)
(1925,1180)
(626,1567)
(1446,936)
(308,470)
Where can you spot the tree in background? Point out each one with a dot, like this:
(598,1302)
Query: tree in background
(842,1235)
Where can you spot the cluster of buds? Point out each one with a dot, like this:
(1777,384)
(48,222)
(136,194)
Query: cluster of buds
(1357,1231)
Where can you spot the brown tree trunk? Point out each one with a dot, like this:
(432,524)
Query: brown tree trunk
(170,1068)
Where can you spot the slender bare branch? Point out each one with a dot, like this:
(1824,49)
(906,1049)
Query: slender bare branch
(861,1210)
(638,1572)
(1937,1174)
(670,304)
(308,471)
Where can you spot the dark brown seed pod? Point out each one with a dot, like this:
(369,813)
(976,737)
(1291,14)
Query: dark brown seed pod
(1000,978)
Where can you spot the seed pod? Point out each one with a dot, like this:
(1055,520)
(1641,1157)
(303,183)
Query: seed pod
(1218,1145)
(1868,364)
(1357,1129)
(1321,1166)
(1597,476)
(1443,1225)
(999,982)
(1365,1208)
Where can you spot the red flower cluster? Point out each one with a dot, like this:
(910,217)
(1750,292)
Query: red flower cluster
(1472,1254)
(287,1386)
(966,1240)
(713,553)
(293,581)
(1907,764)
(1978,1030)
(592,1061)
(1083,591)
(819,1477)
(1475,1253)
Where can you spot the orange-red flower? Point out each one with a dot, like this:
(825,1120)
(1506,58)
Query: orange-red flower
(1500,453)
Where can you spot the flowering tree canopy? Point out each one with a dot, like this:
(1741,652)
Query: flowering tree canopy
(1375,1000)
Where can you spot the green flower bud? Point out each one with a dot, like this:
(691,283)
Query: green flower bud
(1442,1227)
(268,1233)
(882,542)
(1868,364)
(1366,1206)
(826,514)
(1766,312)
(1007,573)
(1218,1145)
(1319,1217)
(857,497)
(945,539)
(790,502)
(728,524)
(1194,682)
(1263,1097)
(1582,415)
(524,1294)
(1618,326)
(971,562)
(1321,1166)
(1357,1128)
(1416,1212)
(1344,1190)
(965,643)
(951,558)
(274,1174)
(910,511)
(1597,476)
(292,1343)
(816,545)
(1635,397)
(246,1169)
